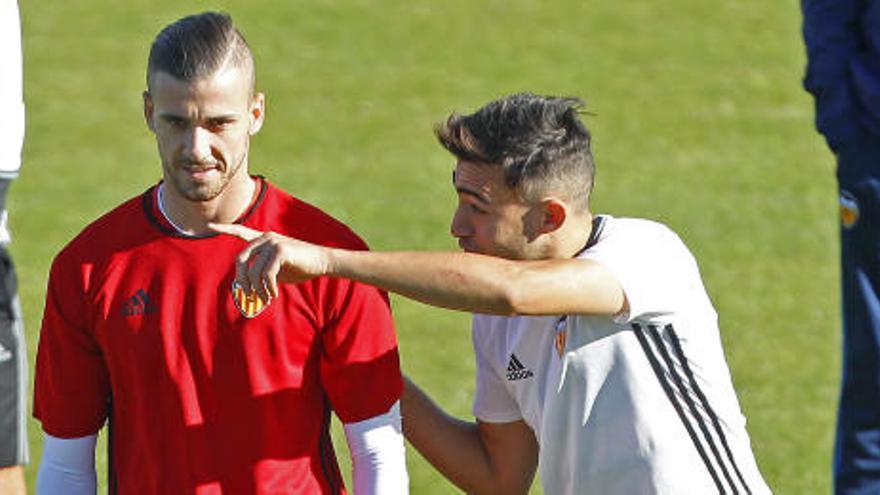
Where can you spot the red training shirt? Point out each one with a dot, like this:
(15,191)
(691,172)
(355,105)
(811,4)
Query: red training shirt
(140,323)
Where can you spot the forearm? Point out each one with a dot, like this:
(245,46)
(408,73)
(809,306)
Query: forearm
(451,445)
(458,281)
(67,466)
(377,454)
(12,480)
(485,284)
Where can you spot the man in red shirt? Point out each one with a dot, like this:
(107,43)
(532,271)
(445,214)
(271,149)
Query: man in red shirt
(207,390)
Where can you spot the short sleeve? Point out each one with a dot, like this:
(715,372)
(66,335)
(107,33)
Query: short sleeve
(72,387)
(650,262)
(360,366)
(492,401)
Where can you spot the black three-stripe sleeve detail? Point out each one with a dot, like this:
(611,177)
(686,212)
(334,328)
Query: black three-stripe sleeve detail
(676,345)
(692,406)
(658,370)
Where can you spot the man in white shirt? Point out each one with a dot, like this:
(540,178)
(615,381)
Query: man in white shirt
(598,351)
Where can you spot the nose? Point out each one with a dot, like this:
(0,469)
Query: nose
(197,144)
(460,226)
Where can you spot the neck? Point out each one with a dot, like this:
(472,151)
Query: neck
(573,236)
(192,217)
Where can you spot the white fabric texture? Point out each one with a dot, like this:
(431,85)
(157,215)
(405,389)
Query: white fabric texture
(67,466)
(11,93)
(378,455)
(621,410)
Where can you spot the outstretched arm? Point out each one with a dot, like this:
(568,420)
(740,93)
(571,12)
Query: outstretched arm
(461,281)
(479,458)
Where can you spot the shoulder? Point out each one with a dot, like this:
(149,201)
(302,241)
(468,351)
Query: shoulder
(289,215)
(635,233)
(639,244)
(636,226)
(107,234)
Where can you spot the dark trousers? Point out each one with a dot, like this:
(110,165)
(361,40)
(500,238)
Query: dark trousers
(13,379)
(857,445)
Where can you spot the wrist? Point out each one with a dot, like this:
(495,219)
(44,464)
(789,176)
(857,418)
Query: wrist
(332,262)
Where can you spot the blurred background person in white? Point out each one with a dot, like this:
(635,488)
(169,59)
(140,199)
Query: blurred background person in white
(13,354)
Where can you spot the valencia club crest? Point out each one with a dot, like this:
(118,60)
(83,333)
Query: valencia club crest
(250,305)
(561,335)
(849,209)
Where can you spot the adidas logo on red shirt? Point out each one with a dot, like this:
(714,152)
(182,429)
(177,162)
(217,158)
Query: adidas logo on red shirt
(138,305)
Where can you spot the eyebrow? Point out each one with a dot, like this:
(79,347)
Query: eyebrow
(216,118)
(172,116)
(470,192)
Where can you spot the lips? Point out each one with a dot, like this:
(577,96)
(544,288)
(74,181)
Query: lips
(192,165)
(199,171)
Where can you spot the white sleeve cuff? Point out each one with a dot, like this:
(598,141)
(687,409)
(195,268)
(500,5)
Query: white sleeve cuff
(378,456)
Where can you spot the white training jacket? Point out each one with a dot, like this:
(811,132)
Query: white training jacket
(11,90)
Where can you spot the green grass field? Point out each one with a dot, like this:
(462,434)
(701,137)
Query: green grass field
(700,122)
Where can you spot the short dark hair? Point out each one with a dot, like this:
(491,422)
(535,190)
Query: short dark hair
(539,141)
(197,46)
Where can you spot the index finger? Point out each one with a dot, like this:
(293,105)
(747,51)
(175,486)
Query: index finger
(237,230)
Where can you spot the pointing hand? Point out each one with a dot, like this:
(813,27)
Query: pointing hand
(272,258)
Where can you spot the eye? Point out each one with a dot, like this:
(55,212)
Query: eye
(476,209)
(219,125)
(473,203)
(175,123)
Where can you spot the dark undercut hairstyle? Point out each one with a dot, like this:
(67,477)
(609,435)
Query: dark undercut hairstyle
(197,46)
(538,141)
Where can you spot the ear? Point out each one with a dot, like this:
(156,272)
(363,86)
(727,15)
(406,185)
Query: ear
(554,214)
(257,113)
(148,110)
